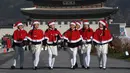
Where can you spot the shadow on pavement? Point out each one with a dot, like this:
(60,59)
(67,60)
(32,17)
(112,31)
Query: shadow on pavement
(46,68)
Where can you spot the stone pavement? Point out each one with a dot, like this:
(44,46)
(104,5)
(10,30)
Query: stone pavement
(62,65)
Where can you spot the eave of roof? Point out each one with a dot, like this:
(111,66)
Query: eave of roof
(68,12)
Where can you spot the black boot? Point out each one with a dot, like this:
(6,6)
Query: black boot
(12,67)
(50,68)
(35,68)
(21,67)
(100,67)
(83,66)
(104,68)
(88,67)
(76,65)
(73,67)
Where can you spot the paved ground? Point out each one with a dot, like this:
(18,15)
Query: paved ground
(5,57)
(62,65)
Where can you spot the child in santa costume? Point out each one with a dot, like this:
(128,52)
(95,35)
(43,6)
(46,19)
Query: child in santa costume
(35,37)
(53,36)
(19,37)
(102,37)
(78,27)
(73,38)
(87,34)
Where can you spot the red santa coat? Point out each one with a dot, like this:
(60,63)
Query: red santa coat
(87,34)
(73,37)
(52,35)
(100,38)
(35,35)
(19,36)
(8,43)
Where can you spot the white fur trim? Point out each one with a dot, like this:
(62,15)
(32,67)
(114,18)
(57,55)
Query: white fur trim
(25,39)
(78,23)
(65,38)
(88,40)
(18,41)
(96,41)
(46,38)
(48,41)
(102,23)
(107,41)
(103,41)
(52,23)
(75,41)
(36,22)
(19,24)
(87,23)
(72,23)
(35,40)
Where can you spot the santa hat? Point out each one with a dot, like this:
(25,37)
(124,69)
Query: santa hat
(18,24)
(78,23)
(85,22)
(35,22)
(104,23)
(52,22)
(73,23)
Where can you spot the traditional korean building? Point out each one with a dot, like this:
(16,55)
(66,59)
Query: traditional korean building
(69,9)
(66,10)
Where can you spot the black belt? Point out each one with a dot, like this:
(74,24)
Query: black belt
(88,42)
(53,44)
(36,43)
(102,43)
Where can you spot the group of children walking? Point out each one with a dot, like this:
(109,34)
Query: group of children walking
(78,40)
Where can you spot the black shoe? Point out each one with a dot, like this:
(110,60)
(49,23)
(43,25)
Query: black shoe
(88,67)
(21,67)
(12,67)
(26,49)
(104,68)
(100,67)
(50,68)
(83,66)
(76,65)
(35,68)
(73,67)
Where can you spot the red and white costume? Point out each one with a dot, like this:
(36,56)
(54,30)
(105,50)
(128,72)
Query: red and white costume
(79,27)
(19,37)
(102,38)
(53,36)
(36,36)
(74,39)
(87,34)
